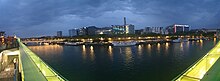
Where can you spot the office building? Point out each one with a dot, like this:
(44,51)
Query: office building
(139,32)
(82,31)
(91,30)
(157,30)
(123,29)
(59,34)
(73,32)
(177,28)
(129,29)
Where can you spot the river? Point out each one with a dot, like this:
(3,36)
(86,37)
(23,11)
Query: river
(150,62)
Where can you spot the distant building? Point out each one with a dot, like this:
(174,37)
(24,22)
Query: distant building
(139,32)
(129,29)
(218,33)
(73,32)
(177,28)
(82,31)
(118,29)
(121,29)
(2,33)
(59,34)
(158,30)
(105,30)
(91,30)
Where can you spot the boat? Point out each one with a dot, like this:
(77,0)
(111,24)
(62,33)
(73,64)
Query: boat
(185,40)
(176,40)
(73,43)
(124,43)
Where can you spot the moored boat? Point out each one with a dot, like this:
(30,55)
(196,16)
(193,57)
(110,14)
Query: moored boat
(124,43)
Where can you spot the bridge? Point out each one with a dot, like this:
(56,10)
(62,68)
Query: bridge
(42,41)
(205,69)
(29,67)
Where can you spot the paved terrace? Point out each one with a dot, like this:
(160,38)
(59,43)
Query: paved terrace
(205,69)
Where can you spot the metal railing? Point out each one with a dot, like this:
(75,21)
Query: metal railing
(205,62)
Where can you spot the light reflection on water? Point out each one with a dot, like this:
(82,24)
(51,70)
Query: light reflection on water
(128,56)
(110,52)
(110,63)
(48,49)
(92,56)
(84,52)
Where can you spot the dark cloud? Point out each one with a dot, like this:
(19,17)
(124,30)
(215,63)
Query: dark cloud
(45,17)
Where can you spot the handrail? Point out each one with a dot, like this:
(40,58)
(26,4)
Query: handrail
(194,64)
(41,65)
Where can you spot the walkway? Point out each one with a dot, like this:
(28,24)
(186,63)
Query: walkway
(35,69)
(201,69)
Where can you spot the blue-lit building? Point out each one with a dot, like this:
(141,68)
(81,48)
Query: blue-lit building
(123,29)
(118,29)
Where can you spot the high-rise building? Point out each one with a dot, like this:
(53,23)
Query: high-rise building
(91,30)
(177,28)
(158,30)
(73,32)
(59,34)
(123,29)
(82,31)
(129,29)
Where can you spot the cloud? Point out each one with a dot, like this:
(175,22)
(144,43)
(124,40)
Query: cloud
(29,17)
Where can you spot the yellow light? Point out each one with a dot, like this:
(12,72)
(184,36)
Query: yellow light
(101,33)
(139,37)
(129,37)
(101,38)
(158,36)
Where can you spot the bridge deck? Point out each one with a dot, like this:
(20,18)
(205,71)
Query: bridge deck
(35,69)
(200,68)
(31,71)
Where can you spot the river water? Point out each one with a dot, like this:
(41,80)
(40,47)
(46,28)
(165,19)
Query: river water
(150,62)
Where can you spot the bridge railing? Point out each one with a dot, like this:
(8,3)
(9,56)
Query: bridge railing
(198,69)
(49,73)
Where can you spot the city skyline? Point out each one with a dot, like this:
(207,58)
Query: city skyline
(38,18)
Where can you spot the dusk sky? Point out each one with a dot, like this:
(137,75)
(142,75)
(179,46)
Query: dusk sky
(28,18)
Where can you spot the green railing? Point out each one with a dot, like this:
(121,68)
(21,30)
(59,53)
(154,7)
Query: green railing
(49,73)
(198,69)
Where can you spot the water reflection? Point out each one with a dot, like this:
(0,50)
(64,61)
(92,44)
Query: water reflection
(181,46)
(84,52)
(128,55)
(214,41)
(201,43)
(158,48)
(110,52)
(47,50)
(139,50)
(149,49)
(166,47)
(92,56)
